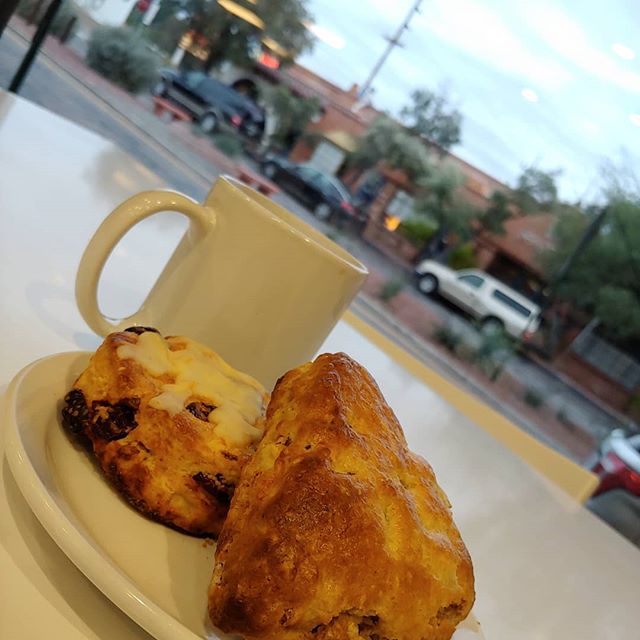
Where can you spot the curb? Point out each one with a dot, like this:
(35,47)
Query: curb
(584,393)
(374,313)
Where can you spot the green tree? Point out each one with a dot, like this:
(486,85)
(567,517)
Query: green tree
(536,190)
(232,38)
(498,212)
(292,113)
(605,279)
(430,115)
(418,229)
(167,28)
(440,202)
(387,140)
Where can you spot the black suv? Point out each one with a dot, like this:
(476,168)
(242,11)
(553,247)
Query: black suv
(211,102)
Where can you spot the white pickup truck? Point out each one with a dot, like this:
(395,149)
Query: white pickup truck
(496,305)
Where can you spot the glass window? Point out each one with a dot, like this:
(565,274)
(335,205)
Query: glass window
(329,188)
(402,205)
(473,281)
(194,79)
(342,190)
(326,185)
(511,303)
(307,173)
(214,91)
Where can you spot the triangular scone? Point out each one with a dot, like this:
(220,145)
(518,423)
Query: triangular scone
(336,530)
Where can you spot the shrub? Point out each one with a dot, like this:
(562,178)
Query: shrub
(493,353)
(391,289)
(565,419)
(462,257)
(447,337)
(633,408)
(27,8)
(417,230)
(228,143)
(60,27)
(119,55)
(465,351)
(533,397)
(34,10)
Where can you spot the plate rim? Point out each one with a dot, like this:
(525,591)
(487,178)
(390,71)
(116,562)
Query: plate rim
(114,585)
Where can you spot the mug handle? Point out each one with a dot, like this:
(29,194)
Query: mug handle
(110,232)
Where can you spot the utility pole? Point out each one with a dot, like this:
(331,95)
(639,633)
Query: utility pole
(393,42)
(589,234)
(34,47)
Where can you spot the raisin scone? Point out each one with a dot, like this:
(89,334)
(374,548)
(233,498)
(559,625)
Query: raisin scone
(336,530)
(170,423)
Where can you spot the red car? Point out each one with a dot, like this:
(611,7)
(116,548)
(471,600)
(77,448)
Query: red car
(617,498)
(618,466)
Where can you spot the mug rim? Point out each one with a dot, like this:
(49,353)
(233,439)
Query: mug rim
(295,225)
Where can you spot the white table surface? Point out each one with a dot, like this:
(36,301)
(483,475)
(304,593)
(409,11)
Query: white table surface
(545,567)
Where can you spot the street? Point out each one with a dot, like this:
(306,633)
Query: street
(129,123)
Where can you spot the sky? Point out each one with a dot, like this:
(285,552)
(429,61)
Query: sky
(549,83)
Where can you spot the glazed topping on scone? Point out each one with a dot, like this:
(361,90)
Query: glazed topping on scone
(170,424)
(234,399)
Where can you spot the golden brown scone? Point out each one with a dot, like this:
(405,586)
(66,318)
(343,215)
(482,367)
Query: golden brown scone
(170,423)
(336,530)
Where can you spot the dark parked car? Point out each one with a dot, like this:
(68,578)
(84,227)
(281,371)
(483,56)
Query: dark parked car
(323,193)
(211,102)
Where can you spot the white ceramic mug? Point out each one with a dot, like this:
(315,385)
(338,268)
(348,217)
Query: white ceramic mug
(249,279)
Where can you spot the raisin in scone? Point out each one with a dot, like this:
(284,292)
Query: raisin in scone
(170,423)
(336,530)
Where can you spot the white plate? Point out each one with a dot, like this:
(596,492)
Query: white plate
(157,576)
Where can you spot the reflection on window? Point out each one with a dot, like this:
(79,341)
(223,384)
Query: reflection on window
(473,281)
(402,206)
(194,78)
(511,303)
(308,173)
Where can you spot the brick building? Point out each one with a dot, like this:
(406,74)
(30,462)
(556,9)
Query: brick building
(515,256)
(396,198)
(343,118)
